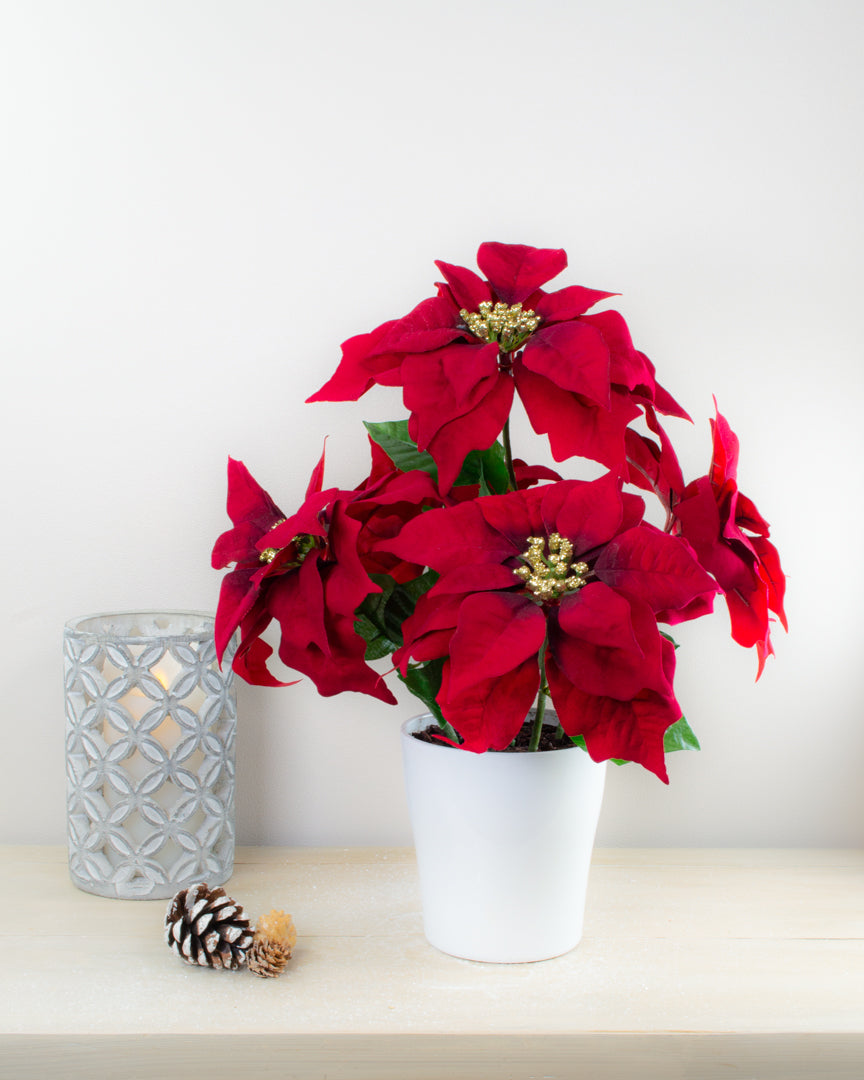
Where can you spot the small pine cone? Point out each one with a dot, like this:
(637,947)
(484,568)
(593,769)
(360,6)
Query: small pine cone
(275,938)
(267,958)
(206,927)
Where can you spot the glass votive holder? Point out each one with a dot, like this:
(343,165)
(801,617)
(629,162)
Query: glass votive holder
(150,727)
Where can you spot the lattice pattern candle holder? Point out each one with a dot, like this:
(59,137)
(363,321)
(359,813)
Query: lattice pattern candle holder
(150,726)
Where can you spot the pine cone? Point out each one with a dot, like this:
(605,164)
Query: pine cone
(206,927)
(275,938)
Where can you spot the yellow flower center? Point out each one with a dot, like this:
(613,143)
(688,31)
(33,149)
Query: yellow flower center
(549,573)
(507,324)
(303,544)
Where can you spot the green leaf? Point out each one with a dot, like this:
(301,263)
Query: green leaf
(379,619)
(424,682)
(370,622)
(401,602)
(392,436)
(669,638)
(487,468)
(374,604)
(414,589)
(680,737)
(377,644)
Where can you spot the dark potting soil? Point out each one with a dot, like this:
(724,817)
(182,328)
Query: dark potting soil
(518,746)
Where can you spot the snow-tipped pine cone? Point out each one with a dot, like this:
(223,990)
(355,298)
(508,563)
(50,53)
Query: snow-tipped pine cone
(206,927)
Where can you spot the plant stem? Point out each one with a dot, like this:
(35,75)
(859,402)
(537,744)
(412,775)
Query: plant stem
(537,730)
(666,504)
(508,454)
(447,731)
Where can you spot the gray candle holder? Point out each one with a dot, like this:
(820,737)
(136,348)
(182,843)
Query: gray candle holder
(150,727)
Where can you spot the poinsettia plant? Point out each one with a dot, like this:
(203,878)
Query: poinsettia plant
(496,585)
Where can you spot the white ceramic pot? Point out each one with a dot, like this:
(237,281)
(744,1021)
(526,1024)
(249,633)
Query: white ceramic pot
(503,846)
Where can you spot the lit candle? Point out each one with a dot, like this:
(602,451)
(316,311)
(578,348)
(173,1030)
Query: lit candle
(150,739)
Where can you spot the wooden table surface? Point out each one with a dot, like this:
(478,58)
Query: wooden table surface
(695,964)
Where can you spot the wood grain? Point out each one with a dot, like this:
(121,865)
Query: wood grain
(695,963)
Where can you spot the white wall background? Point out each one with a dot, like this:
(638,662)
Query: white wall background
(201,199)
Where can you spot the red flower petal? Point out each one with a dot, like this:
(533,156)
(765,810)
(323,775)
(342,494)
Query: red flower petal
(316,480)
(748,517)
(712,515)
(616,671)
(477,429)
(495,633)
(362,365)
(599,615)
(451,538)
(428,631)
(514,517)
(526,475)
(443,385)
(236,545)
(250,663)
(652,467)
(382,464)
(657,568)
(627,366)
(699,516)
(573,356)
(308,520)
(251,510)
(467,289)
(247,500)
(724,464)
(700,522)
(666,404)
(574,426)
(772,575)
(345,667)
(476,577)
(346,582)
(588,512)
(236,597)
(748,614)
(631,730)
(383,506)
(568,303)
(490,714)
(431,325)
(296,601)
(516,271)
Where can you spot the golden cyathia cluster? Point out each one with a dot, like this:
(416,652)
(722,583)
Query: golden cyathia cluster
(508,324)
(549,575)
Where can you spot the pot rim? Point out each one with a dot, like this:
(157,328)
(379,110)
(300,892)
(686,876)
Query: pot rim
(419,723)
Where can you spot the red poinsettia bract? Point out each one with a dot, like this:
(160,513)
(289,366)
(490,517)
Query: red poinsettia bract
(713,516)
(567,572)
(383,503)
(460,355)
(303,571)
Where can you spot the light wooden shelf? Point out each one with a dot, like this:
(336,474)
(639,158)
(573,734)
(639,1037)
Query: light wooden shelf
(695,964)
